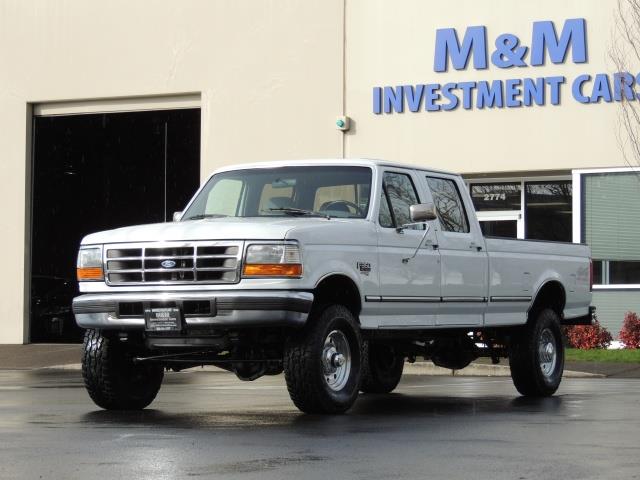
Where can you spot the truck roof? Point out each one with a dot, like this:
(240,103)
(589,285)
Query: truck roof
(365,162)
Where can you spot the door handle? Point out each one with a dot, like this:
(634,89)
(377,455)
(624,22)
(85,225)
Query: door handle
(435,246)
(476,246)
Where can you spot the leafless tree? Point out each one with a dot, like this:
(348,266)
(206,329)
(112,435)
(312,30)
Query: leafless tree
(624,53)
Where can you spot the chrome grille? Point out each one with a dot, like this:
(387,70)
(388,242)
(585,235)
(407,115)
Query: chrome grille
(173,262)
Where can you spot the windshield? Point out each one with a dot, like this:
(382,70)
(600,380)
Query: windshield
(333,191)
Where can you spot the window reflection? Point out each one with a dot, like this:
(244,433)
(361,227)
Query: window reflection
(616,272)
(401,194)
(448,204)
(384,217)
(624,272)
(548,210)
(499,228)
(496,196)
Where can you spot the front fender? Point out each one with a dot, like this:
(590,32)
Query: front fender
(351,262)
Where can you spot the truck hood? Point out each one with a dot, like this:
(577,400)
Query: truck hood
(254,228)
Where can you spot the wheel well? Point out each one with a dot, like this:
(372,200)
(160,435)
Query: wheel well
(338,289)
(551,295)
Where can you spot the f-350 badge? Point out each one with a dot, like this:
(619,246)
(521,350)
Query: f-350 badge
(364,268)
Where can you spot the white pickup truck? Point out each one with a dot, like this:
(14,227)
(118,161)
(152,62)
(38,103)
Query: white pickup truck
(333,271)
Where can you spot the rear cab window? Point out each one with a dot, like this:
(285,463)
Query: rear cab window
(449,205)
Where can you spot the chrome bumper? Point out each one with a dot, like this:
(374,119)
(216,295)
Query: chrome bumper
(227,308)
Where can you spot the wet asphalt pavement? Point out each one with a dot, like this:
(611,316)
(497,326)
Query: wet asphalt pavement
(210,425)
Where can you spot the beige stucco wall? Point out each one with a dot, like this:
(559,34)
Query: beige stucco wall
(269,74)
(270,78)
(392,43)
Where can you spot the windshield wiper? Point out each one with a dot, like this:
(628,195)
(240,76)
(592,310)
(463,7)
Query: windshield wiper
(299,211)
(205,215)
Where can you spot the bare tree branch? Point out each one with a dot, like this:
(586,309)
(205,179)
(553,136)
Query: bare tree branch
(624,54)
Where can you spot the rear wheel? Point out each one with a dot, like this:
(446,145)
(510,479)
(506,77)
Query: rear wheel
(536,356)
(322,362)
(112,379)
(382,368)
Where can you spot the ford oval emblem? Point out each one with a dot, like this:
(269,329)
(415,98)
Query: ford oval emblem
(168,264)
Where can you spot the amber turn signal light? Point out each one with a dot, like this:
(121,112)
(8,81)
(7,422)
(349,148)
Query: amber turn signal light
(89,273)
(272,270)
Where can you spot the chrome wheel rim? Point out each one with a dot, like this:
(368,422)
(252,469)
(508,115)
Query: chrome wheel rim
(336,360)
(547,352)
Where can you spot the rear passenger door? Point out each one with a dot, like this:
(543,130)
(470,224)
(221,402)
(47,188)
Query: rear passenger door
(409,286)
(464,262)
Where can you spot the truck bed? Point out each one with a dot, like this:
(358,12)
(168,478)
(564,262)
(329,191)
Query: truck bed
(518,268)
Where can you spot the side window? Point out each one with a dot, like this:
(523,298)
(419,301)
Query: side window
(400,195)
(448,202)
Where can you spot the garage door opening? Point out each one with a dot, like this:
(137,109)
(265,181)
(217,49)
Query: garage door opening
(96,172)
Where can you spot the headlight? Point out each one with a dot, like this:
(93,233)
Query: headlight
(89,266)
(272,260)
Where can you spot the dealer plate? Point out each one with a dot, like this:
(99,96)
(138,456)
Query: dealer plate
(163,319)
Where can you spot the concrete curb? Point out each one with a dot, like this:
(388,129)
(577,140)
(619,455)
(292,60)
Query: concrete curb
(418,368)
(479,370)
(68,366)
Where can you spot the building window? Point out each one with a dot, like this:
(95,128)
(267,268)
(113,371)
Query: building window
(496,196)
(536,209)
(611,226)
(548,210)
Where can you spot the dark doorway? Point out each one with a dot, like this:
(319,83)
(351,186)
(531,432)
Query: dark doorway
(96,172)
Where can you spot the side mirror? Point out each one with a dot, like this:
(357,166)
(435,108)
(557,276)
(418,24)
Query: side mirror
(177,216)
(422,212)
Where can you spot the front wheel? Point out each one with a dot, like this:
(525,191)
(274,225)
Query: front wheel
(536,356)
(322,362)
(112,379)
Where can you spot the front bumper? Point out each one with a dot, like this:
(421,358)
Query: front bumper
(264,308)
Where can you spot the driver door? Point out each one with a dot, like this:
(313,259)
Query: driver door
(409,286)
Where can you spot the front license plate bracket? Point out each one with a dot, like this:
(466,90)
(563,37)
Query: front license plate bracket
(163,319)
